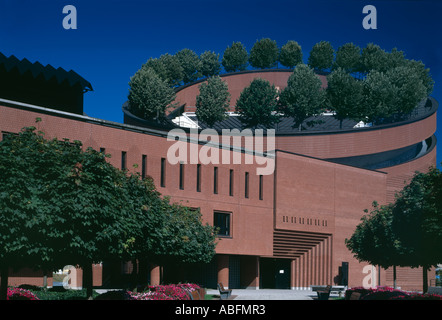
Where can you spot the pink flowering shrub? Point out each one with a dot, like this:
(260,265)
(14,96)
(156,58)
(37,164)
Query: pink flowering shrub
(166,292)
(20,294)
(387,293)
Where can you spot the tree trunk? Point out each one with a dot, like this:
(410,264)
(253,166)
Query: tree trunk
(87,279)
(425,278)
(394,277)
(4,282)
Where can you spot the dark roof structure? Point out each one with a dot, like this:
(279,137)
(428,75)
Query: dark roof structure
(34,83)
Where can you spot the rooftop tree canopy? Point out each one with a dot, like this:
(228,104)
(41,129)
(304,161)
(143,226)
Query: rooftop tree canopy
(235,57)
(257,104)
(264,54)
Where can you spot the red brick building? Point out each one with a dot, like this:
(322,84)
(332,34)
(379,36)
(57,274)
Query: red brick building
(282,230)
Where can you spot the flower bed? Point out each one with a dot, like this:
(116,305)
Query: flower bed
(387,293)
(20,294)
(166,292)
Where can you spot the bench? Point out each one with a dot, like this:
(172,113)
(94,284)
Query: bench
(224,293)
(323,292)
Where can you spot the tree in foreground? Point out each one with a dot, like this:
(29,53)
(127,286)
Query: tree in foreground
(235,57)
(303,96)
(290,54)
(257,104)
(65,206)
(321,56)
(417,221)
(264,54)
(149,96)
(374,240)
(70,209)
(213,101)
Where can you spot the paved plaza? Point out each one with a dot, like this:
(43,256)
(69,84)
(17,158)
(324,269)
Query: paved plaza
(270,294)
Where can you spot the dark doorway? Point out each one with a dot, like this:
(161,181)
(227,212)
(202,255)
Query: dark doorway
(274,273)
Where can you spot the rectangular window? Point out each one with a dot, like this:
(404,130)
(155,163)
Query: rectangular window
(231,183)
(260,187)
(143,166)
(163,173)
(182,176)
(215,180)
(221,221)
(123,160)
(198,178)
(246,185)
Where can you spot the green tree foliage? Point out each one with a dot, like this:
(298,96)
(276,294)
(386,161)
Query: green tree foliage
(290,54)
(212,101)
(168,68)
(191,64)
(406,233)
(423,73)
(321,56)
(149,95)
(374,240)
(348,57)
(210,65)
(373,58)
(257,104)
(62,205)
(264,54)
(235,57)
(417,221)
(410,88)
(380,97)
(344,95)
(303,96)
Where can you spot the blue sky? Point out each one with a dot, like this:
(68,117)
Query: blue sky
(115,37)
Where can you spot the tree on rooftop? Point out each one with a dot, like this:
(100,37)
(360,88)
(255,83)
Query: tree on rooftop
(168,68)
(264,54)
(380,97)
(321,56)
(303,96)
(290,54)
(257,104)
(344,95)
(235,57)
(348,57)
(210,65)
(191,64)
(212,101)
(410,89)
(149,95)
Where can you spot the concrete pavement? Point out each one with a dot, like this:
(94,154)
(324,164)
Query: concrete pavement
(269,294)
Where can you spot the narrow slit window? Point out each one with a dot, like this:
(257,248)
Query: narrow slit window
(163,172)
(143,166)
(260,187)
(246,185)
(123,160)
(182,176)
(215,180)
(198,178)
(231,183)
